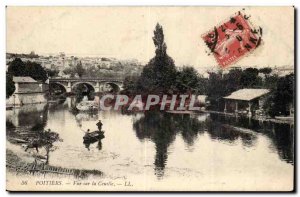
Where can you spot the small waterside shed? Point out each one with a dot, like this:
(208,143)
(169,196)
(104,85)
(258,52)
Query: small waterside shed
(28,91)
(245,100)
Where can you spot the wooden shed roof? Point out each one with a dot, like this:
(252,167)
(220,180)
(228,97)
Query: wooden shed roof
(247,94)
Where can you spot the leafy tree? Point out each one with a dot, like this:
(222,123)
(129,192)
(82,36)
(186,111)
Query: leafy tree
(129,85)
(270,82)
(10,85)
(46,140)
(51,72)
(282,97)
(159,74)
(188,80)
(69,71)
(36,71)
(250,78)
(232,80)
(79,70)
(216,89)
(220,85)
(92,71)
(17,68)
(265,70)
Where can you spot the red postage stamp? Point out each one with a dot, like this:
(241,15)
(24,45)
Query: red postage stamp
(233,39)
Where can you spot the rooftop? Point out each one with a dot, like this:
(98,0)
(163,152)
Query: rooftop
(24,80)
(247,94)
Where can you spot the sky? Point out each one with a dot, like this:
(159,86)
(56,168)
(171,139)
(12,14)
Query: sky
(126,32)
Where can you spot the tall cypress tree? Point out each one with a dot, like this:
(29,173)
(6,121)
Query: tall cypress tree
(159,74)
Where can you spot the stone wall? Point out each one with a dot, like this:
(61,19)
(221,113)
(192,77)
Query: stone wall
(29,93)
(28,98)
(31,87)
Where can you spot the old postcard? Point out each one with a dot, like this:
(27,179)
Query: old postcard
(150,98)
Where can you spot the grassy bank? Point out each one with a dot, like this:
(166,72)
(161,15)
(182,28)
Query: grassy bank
(15,164)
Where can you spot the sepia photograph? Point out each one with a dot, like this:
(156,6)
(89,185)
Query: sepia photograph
(150,98)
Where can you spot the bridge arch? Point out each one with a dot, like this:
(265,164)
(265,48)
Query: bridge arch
(90,86)
(53,87)
(114,87)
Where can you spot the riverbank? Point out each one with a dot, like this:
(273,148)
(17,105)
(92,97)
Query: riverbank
(263,119)
(17,165)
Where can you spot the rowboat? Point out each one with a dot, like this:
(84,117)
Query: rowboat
(95,135)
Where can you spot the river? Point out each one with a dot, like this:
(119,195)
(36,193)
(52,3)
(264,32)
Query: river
(199,151)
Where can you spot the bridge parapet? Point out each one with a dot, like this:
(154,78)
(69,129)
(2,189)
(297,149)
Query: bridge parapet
(102,79)
(97,83)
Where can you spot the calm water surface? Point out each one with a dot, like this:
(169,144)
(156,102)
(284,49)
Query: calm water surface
(158,146)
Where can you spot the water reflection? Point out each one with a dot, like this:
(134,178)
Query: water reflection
(230,133)
(26,126)
(28,116)
(89,143)
(161,128)
(281,135)
(81,117)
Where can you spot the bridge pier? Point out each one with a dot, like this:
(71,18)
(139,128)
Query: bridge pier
(102,87)
(97,87)
(69,87)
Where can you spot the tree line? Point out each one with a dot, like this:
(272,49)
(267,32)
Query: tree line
(281,88)
(18,68)
(161,76)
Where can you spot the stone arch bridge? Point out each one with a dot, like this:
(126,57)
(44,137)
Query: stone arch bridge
(98,84)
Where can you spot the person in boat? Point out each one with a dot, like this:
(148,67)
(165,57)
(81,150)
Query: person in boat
(99,125)
(87,133)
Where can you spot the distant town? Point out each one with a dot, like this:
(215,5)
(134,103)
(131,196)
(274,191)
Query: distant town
(62,63)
